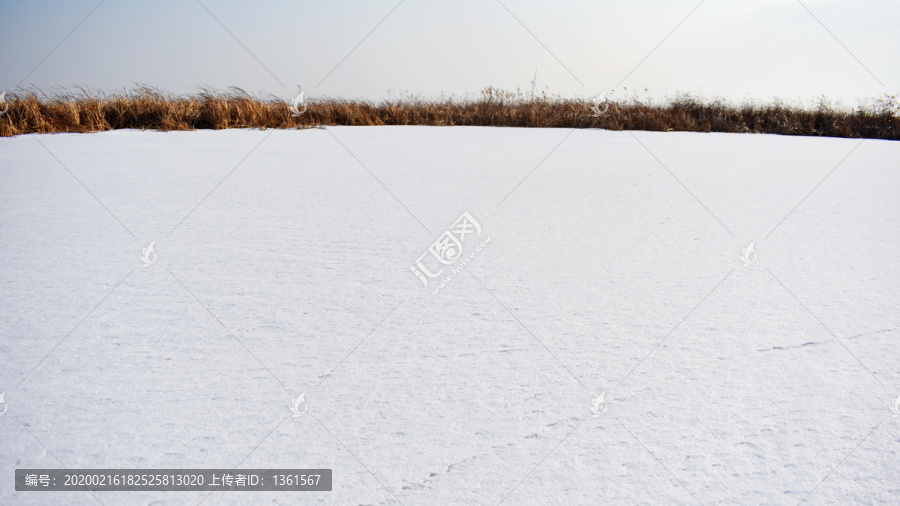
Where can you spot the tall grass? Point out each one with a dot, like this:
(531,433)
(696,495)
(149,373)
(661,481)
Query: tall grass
(149,108)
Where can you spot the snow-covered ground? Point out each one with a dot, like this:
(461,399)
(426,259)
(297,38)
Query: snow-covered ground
(613,267)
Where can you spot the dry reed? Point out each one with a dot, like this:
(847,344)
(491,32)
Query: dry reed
(149,108)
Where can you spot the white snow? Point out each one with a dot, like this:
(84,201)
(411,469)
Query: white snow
(607,271)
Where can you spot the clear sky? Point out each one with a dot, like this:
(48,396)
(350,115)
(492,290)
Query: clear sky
(845,49)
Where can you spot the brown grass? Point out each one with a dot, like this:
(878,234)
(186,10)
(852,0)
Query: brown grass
(147,108)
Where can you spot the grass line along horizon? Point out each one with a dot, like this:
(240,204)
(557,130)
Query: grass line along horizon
(151,108)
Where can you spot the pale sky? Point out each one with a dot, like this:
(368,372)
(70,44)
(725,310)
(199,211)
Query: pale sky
(729,48)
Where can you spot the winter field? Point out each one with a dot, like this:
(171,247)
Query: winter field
(617,264)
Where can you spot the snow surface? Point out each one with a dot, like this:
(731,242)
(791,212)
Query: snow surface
(615,267)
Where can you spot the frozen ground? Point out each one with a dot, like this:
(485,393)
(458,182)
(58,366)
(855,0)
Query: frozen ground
(615,267)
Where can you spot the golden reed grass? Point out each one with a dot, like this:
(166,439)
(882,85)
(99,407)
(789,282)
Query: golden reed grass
(148,108)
